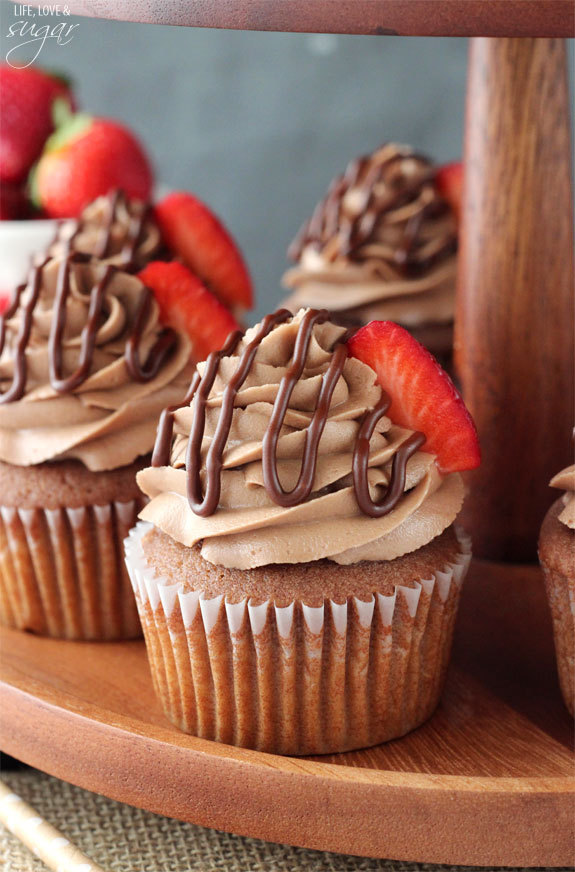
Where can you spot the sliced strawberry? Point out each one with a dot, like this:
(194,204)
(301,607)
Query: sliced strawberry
(186,304)
(422,394)
(192,231)
(449,181)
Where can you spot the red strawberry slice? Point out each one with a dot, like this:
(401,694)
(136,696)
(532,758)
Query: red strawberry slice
(27,99)
(449,181)
(85,158)
(186,304)
(423,396)
(192,231)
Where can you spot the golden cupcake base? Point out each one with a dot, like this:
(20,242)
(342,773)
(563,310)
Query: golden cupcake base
(297,679)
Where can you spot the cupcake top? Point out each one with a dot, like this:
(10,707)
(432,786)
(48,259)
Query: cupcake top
(382,243)
(86,366)
(566,481)
(283,453)
(114,229)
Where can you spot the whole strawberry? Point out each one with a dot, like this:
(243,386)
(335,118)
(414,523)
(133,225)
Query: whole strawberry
(14,204)
(85,158)
(26,110)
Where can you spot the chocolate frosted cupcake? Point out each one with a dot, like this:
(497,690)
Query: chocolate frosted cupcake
(85,369)
(297,571)
(557,556)
(381,244)
(114,229)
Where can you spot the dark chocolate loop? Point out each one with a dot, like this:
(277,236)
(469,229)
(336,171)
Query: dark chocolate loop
(159,352)
(66,384)
(206,505)
(398,467)
(304,485)
(165,431)
(18,386)
(105,235)
(135,231)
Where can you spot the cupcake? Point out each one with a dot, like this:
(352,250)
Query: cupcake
(297,568)
(557,557)
(382,244)
(86,367)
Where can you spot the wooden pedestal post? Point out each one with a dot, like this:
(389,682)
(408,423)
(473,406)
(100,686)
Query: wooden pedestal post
(515,306)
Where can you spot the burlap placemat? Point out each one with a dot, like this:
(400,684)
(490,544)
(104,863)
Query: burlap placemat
(125,839)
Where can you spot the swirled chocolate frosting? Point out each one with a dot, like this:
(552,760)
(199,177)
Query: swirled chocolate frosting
(85,366)
(114,229)
(283,453)
(381,244)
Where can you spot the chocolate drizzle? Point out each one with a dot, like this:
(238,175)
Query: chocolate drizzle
(205,504)
(304,485)
(89,331)
(165,431)
(157,355)
(364,176)
(159,352)
(135,229)
(105,234)
(18,386)
(398,467)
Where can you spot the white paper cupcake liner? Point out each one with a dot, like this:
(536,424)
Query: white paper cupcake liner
(297,679)
(62,572)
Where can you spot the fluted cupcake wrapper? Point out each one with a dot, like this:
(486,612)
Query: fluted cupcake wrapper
(62,572)
(561,596)
(297,679)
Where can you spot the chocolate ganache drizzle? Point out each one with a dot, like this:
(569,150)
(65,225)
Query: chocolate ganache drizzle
(18,386)
(164,345)
(134,230)
(210,457)
(206,504)
(378,188)
(113,228)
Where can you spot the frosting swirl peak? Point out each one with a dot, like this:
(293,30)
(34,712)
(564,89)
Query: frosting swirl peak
(114,229)
(381,243)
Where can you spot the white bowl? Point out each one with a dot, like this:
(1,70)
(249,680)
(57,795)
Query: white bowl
(19,242)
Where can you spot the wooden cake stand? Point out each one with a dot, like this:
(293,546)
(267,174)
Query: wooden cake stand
(487,781)
(490,779)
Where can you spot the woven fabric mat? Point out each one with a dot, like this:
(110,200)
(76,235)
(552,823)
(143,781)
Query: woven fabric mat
(125,839)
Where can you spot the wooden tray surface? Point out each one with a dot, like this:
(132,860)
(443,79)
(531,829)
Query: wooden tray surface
(379,17)
(488,781)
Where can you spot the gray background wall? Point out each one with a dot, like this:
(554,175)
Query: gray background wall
(258,123)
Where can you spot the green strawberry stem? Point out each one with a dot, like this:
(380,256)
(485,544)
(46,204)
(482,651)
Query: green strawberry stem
(61,112)
(32,187)
(68,126)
